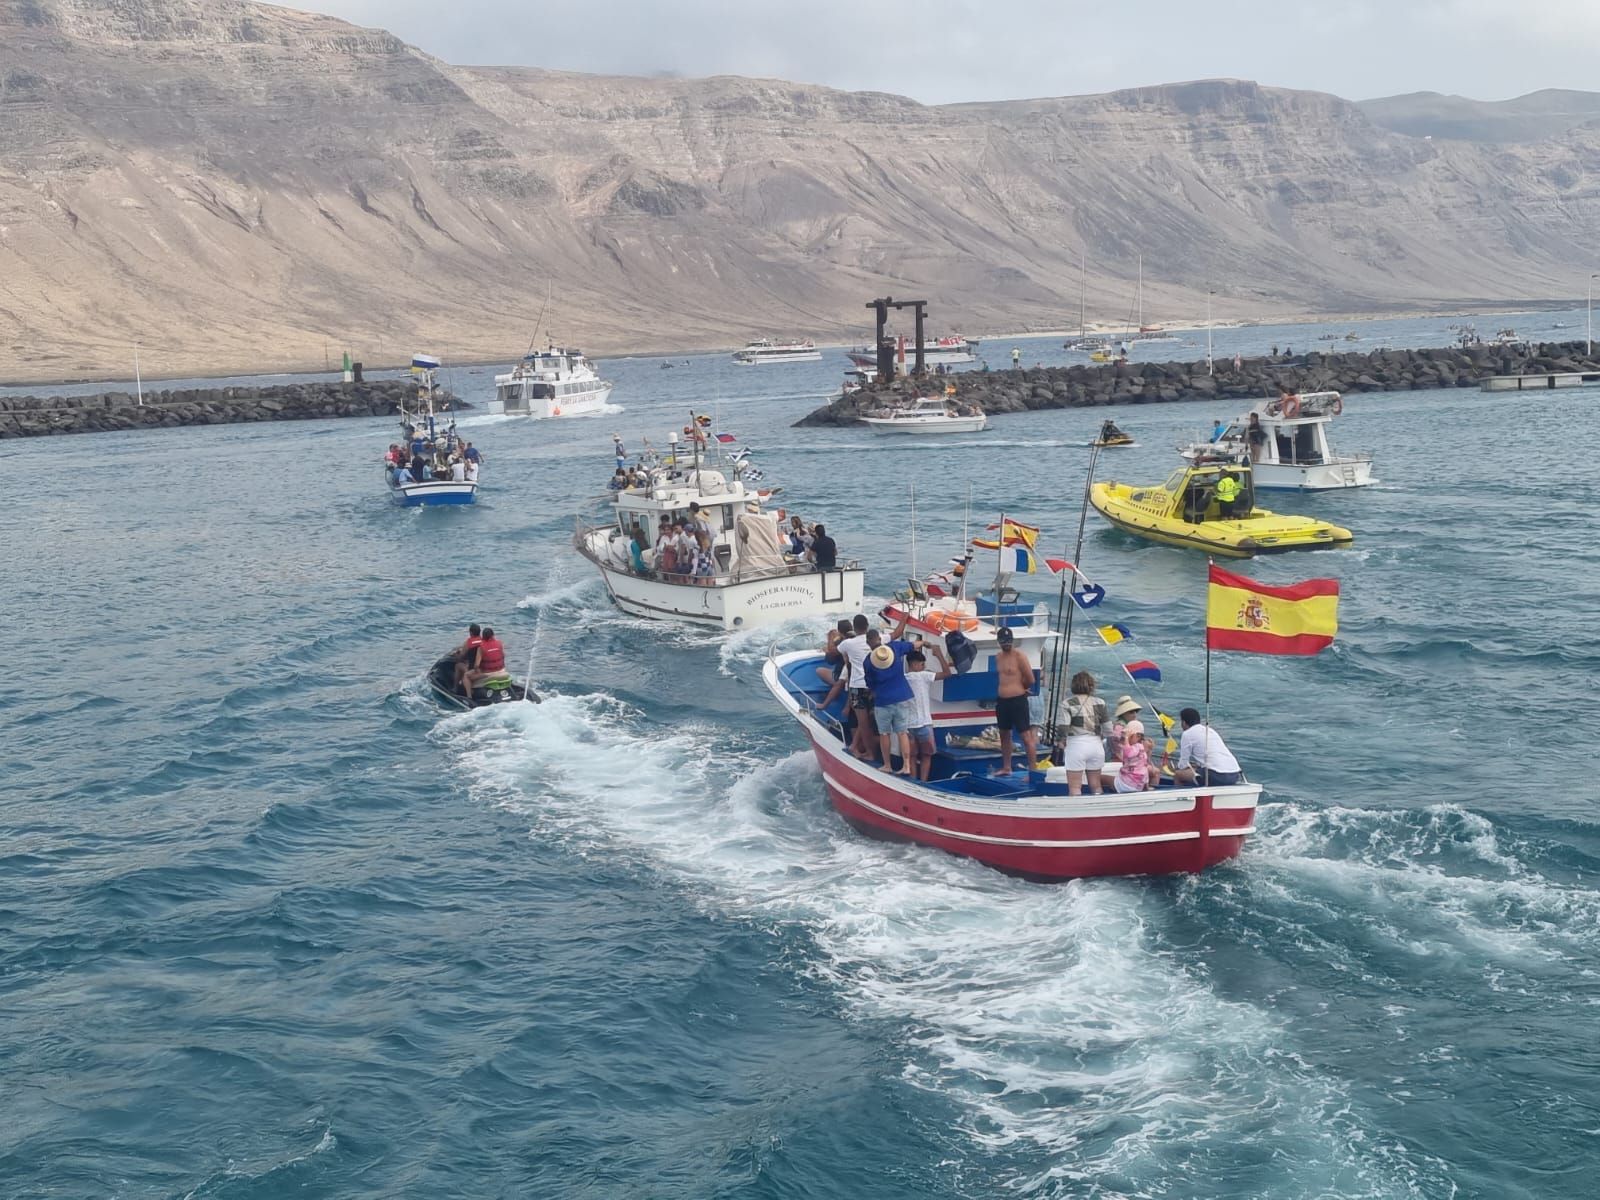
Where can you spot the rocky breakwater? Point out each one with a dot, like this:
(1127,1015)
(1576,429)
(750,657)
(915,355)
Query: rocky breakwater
(38,416)
(1092,385)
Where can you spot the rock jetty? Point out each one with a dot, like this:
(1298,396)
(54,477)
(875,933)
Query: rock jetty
(38,416)
(1091,385)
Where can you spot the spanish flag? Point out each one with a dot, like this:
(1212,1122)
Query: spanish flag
(1242,614)
(1012,533)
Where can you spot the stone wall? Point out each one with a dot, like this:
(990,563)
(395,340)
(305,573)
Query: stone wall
(1089,385)
(36,416)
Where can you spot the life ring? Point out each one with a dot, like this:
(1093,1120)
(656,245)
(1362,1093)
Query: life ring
(556,411)
(1338,404)
(948,621)
(1290,406)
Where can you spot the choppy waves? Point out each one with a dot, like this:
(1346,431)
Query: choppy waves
(1088,1047)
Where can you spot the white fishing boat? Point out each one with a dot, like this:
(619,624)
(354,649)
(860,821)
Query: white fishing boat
(926,415)
(429,466)
(746,575)
(763,350)
(554,382)
(1294,453)
(952,351)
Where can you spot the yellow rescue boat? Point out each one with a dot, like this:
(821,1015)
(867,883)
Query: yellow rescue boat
(1185,511)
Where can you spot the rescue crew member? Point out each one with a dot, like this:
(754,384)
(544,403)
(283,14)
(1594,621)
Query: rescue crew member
(1229,489)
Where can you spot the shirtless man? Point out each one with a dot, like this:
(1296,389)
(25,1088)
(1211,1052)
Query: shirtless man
(1011,713)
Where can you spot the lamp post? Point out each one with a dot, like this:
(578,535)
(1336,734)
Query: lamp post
(1211,367)
(1588,346)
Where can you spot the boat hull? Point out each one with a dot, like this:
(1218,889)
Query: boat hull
(1167,831)
(582,404)
(1320,477)
(742,604)
(931,357)
(785,356)
(887,425)
(433,493)
(1264,533)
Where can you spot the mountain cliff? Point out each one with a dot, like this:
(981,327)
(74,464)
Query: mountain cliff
(237,186)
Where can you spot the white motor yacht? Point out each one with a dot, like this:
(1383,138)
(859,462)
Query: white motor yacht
(928,414)
(1295,454)
(553,382)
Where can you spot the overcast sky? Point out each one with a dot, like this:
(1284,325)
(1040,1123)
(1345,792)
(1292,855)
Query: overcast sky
(948,50)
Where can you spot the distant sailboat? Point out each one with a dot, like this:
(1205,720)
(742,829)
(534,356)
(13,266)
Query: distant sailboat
(1143,332)
(1083,343)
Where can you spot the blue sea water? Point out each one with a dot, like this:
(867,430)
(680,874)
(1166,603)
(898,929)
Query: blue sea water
(271,923)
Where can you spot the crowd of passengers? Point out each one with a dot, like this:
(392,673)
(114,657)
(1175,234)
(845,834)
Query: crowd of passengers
(419,459)
(887,686)
(685,547)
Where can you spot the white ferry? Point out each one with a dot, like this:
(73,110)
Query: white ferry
(764,351)
(1293,453)
(553,382)
(749,577)
(954,351)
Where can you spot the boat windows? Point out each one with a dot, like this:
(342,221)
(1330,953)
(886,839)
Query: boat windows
(1174,481)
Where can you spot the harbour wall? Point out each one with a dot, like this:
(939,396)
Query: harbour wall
(39,416)
(1093,384)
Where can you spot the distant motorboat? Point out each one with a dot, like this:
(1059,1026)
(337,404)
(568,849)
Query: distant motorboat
(927,414)
(952,351)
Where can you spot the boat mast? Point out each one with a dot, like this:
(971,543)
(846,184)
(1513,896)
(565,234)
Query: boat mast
(1083,294)
(1140,294)
(1063,649)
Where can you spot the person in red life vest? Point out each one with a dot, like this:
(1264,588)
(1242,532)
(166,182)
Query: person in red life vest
(491,660)
(465,654)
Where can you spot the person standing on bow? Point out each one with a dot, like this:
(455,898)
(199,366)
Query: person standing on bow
(894,707)
(1087,723)
(1011,714)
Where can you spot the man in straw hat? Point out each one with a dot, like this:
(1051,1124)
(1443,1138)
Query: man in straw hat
(893,705)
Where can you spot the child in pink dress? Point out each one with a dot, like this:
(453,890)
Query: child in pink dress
(1135,773)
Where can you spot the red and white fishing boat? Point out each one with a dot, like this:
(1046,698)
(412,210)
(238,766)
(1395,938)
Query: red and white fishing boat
(1025,823)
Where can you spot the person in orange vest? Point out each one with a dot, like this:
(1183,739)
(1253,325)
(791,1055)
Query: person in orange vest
(490,659)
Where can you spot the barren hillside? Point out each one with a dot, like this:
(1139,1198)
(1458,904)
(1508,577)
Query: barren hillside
(236,186)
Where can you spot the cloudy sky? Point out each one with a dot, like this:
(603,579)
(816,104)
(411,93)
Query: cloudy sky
(950,50)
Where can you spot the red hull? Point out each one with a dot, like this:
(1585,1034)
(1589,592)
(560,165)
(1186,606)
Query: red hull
(1053,837)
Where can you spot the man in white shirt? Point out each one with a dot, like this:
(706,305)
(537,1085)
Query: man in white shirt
(1202,756)
(855,650)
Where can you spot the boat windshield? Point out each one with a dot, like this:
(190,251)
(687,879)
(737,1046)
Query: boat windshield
(1174,481)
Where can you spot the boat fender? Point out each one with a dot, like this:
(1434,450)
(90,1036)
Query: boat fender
(1338,404)
(961,651)
(1291,406)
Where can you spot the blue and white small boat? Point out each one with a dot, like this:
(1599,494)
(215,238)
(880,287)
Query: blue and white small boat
(433,448)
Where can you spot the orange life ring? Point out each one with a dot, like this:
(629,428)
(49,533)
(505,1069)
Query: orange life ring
(556,411)
(1290,406)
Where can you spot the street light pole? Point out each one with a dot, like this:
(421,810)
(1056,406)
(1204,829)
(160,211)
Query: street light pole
(1588,347)
(1211,367)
